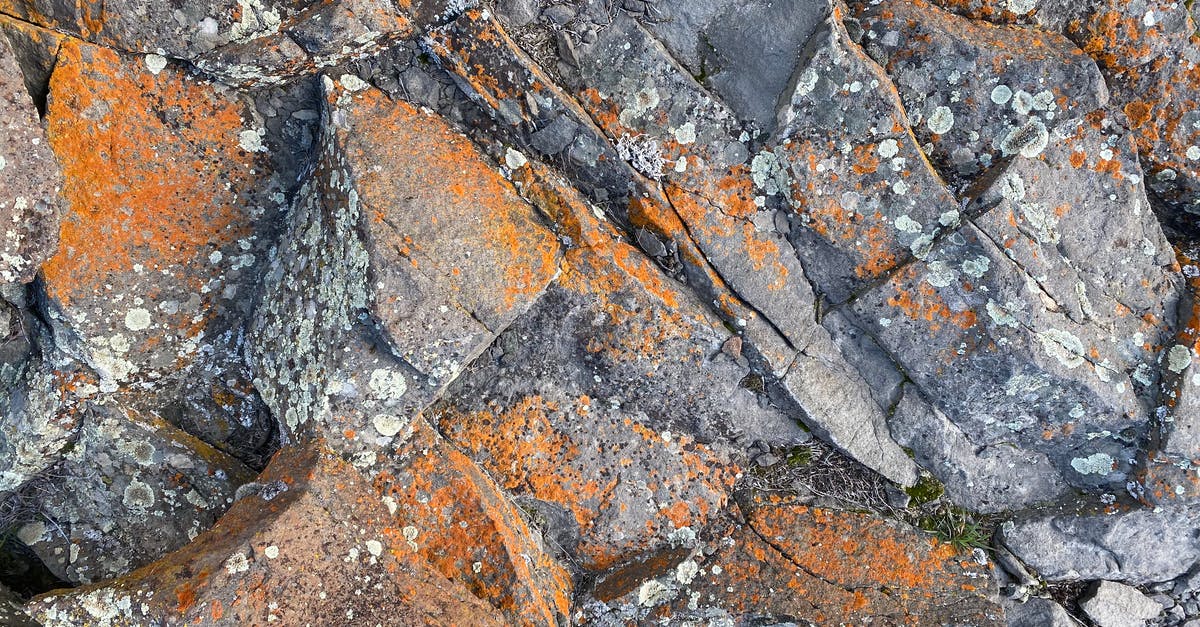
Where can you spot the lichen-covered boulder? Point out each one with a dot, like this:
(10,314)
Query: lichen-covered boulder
(442,284)
(166,193)
(314,544)
(131,489)
(793,562)
(569,409)
(977,93)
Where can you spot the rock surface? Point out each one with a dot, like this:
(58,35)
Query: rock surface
(1111,604)
(551,312)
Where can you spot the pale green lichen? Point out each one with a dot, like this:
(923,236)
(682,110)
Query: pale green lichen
(1063,346)
(1095,464)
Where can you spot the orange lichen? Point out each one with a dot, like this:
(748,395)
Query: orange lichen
(126,207)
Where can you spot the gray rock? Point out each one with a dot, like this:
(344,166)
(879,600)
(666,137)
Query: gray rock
(555,137)
(518,12)
(1037,612)
(1071,333)
(30,179)
(1111,604)
(675,118)
(989,478)
(132,488)
(974,87)
(1137,547)
(843,159)
(744,52)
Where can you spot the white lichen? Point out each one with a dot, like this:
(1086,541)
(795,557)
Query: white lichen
(1063,346)
(137,319)
(1095,464)
(1179,357)
(941,120)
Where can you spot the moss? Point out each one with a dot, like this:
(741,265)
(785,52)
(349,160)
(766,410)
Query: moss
(799,456)
(754,383)
(926,490)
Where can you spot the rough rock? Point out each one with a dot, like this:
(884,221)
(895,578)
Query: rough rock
(1037,612)
(1138,546)
(1151,59)
(466,528)
(1111,604)
(43,395)
(744,52)
(1072,350)
(158,254)
(655,109)
(463,274)
(131,489)
(568,407)
(974,90)
(1169,474)
(29,179)
(790,562)
(979,478)
(845,161)
(12,610)
(178,31)
(339,376)
(321,35)
(314,544)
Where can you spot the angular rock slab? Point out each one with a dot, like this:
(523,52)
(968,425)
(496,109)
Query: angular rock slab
(43,395)
(29,179)
(1057,341)
(744,52)
(132,489)
(165,194)
(180,31)
(847,164)
(461,522)
(466,528)
(672,130)
(795,563)
(1150,54)
(454,262)
(405,218)
(976,92)
(1111,604)
(1134,546)
(1173,454)
(570,410)
(313,545)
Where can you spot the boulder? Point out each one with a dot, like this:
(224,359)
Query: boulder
(1111,604)
(313,544)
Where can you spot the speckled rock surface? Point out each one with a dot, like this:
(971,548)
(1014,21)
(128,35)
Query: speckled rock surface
(586,312)
(314,544)
(131,489)
(787,562)
(29,205)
